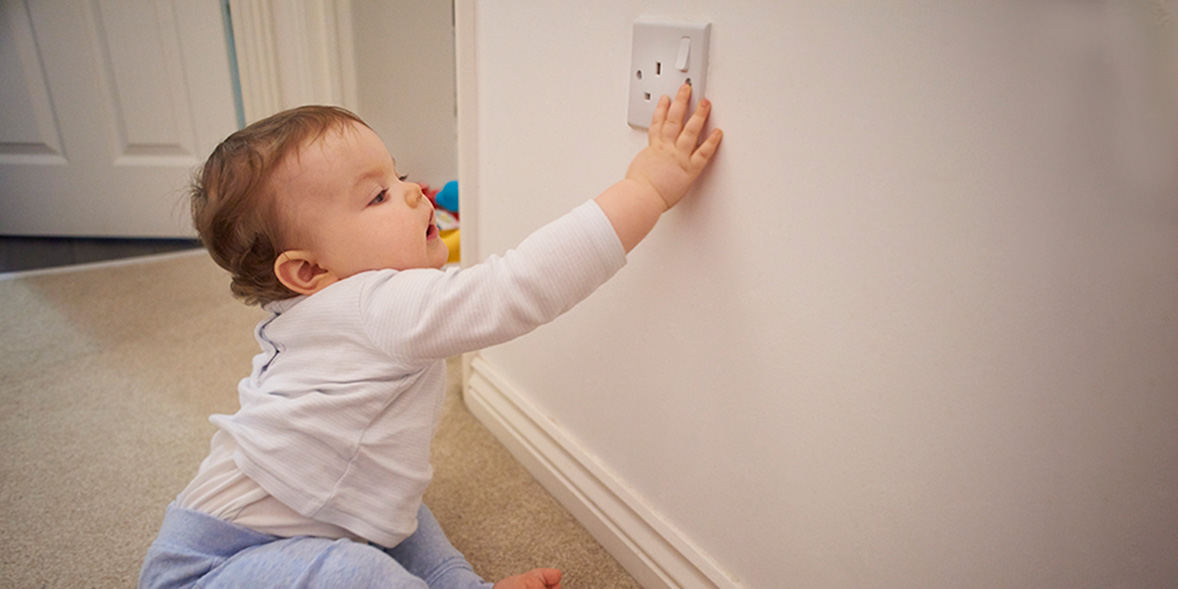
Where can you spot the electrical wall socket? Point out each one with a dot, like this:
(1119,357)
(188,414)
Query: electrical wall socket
(665,55)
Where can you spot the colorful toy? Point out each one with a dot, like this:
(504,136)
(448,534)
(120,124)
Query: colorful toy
(447,197)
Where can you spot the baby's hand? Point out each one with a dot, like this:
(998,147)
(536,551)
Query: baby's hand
(533,579)
(672,161)
(661,173)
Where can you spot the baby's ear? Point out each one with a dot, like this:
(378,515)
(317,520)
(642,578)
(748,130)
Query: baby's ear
(298,271)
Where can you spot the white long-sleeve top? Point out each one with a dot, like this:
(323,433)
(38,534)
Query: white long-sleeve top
(333,434)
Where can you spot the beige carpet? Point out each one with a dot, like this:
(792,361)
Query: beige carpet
(107,378)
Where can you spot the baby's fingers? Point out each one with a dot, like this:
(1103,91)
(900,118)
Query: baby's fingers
(660,117)
(677,112)
(695,125)
(706,150)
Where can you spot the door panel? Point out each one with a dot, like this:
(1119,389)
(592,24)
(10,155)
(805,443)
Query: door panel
(28,130)
(118,101)
(146,95)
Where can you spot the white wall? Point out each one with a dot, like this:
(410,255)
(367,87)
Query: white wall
(919,324)
(404,54)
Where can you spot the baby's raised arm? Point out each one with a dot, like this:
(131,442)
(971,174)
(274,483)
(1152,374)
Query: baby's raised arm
(661,173)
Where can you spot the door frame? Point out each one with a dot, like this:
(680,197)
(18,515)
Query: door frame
(292,52)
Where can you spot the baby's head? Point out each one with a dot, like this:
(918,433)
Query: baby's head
(307,197)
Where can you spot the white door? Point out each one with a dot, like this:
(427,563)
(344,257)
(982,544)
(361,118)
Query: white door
(106,106)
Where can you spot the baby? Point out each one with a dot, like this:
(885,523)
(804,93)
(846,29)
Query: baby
(317,480)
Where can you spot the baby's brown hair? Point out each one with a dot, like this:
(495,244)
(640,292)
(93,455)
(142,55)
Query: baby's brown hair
(234,208)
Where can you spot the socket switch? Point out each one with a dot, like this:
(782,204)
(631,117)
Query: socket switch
(665,55)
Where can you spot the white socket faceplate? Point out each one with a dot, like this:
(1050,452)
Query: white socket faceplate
(665,55)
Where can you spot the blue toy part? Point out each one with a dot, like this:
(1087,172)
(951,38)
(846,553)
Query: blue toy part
(447,197)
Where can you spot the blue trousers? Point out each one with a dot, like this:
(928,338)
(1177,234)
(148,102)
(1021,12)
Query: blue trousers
(198,550)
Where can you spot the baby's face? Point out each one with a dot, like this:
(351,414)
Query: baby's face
(350,209)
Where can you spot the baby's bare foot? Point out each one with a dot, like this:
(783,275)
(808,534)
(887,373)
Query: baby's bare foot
(533,579)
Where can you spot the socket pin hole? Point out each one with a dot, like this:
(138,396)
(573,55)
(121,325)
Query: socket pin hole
(688,81)
(639,74)
(647,95)
(658,68)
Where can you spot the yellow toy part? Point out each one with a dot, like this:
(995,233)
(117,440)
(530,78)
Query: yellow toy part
(451,238)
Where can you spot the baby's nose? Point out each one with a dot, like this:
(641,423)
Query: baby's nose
(413,195)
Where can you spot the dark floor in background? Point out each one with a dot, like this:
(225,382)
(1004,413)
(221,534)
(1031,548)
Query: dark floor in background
(35,253)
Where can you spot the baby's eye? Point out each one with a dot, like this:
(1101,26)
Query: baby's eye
(384,194)
(403,178)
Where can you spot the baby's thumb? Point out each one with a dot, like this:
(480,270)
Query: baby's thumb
(551,577)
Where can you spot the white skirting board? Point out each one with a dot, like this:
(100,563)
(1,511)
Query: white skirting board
(653,551)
